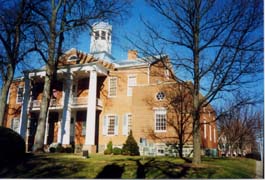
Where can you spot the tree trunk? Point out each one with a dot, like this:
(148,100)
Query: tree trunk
(4,94)
(50,68)
(196,87)
(40,133)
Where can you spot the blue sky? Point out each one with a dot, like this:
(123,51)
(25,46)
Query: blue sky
(131,26)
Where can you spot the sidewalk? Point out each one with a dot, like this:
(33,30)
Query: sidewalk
(259,169)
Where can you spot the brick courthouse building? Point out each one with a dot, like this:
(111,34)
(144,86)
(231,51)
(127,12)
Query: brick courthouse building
(97,99)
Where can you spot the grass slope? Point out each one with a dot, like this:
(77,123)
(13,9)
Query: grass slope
(102,166)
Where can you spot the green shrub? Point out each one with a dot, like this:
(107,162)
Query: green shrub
(109,148)
(107,152)
(130,147)
(12,146)
(117,151)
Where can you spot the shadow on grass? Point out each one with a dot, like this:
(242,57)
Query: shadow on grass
(40,166)
(111,171)
(161,169)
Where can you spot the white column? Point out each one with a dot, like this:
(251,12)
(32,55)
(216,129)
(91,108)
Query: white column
(24,109)
(91,109)
(59,125)
(66,115)
(47,128)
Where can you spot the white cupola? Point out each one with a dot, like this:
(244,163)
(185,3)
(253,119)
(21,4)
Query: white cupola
(101,38)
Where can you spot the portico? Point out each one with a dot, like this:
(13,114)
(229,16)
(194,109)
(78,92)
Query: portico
(87,99)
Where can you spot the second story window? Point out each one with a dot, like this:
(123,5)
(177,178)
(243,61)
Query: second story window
(20,90)
(131,84)
(112,87)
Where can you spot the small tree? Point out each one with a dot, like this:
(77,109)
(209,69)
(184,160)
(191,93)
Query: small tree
(130,147)
(109,148)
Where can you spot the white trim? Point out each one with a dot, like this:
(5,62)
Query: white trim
(116,85)
(204,129)
(210,131)
(8,96)
(214,135)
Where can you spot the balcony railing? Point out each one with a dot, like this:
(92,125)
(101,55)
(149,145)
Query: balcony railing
(53,103)
(76,101)
(80,101)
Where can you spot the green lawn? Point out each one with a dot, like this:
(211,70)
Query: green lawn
(103,166)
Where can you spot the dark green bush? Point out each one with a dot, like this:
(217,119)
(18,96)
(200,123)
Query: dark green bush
(130,147)
(254,155)
(117,151)
(52,149)
(68,150)
(12,146)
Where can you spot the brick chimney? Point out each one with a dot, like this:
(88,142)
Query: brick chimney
(132,54)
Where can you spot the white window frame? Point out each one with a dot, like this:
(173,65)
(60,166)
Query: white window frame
(19,102)
(161,111)
(106,124)
(15,121)
(204,129)
(127,124)
(116,86)
(131,84)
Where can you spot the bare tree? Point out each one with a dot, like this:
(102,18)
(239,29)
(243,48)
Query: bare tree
(14,28)
(52,20)
(178,100)
(239,127)
(217,44)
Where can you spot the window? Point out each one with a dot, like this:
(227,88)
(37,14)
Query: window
(103,35)
(108,36)
(15,124)
(127,124)
(110,125)
(83,128)
(96,35)
(160,96)
(73,58)
(20,90)
(112,86)
(167,74)
(131,84)
(160,120)
(204,129)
